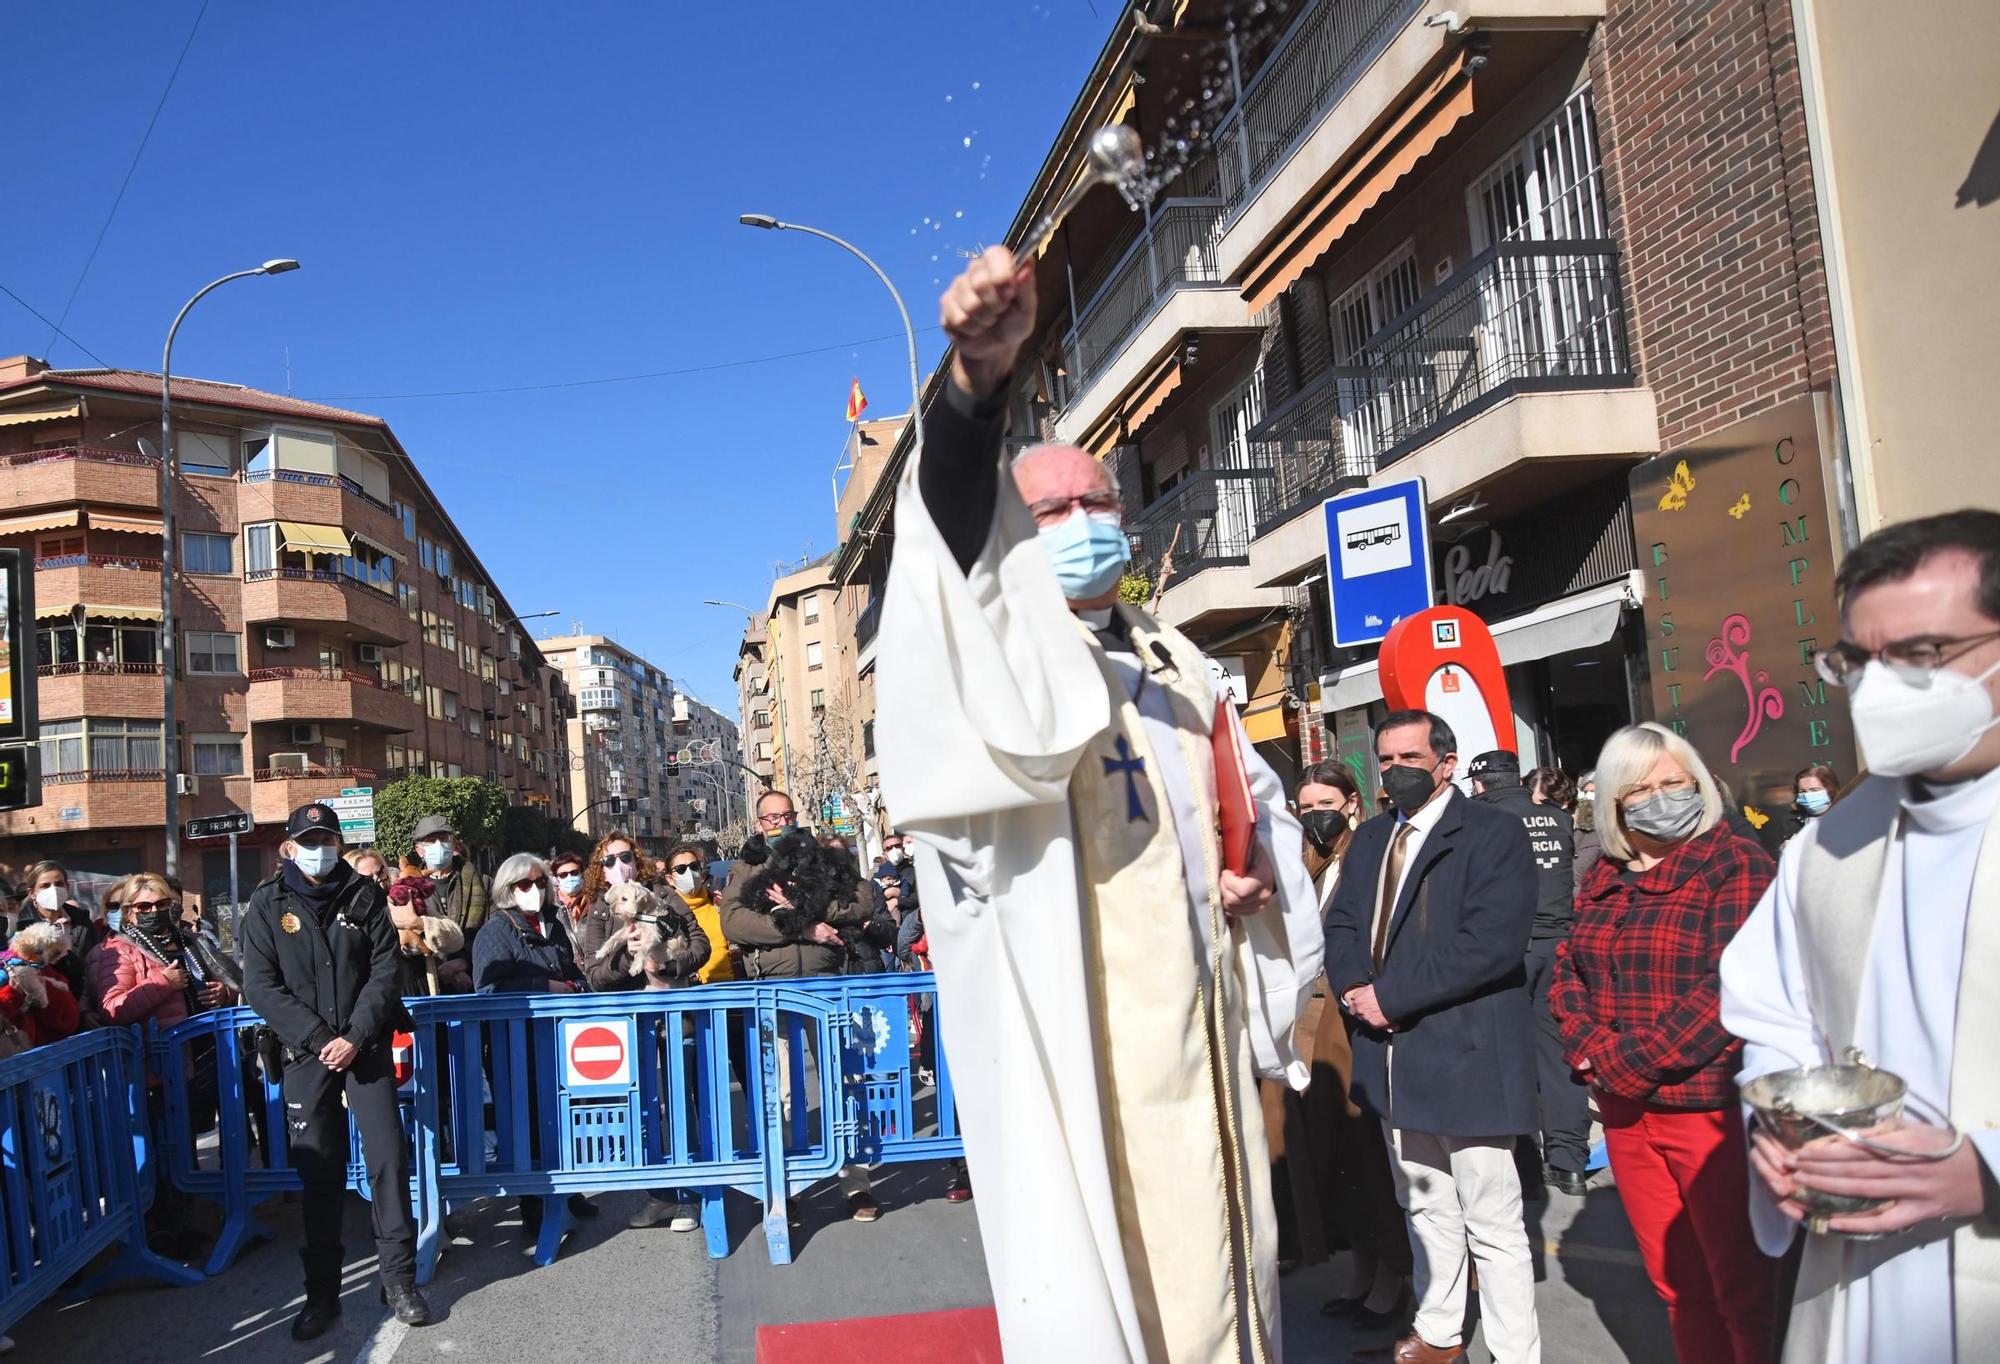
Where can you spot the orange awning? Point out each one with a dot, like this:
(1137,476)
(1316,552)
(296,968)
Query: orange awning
(130,525)
(50,520)
(1409,138)
(1152,393)
(1266,725)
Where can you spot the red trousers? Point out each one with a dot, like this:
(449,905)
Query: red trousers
(1684,1179)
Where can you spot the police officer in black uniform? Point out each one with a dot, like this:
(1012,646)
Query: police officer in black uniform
(320,967)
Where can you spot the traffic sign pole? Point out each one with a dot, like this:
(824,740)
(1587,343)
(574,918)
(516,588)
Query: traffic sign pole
(235,905)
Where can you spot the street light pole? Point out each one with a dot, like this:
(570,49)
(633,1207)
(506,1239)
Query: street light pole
(770,224)
(171,739)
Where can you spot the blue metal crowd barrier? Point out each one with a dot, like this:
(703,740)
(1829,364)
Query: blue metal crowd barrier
(75,1170)
(521,1095)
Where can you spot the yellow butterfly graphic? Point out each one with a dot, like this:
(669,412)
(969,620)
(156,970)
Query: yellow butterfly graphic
(1678,488)
(1758,819)
(1742,506)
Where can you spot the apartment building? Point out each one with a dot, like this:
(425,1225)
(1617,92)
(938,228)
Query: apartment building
(756,709)
(336,628)
(1557,258)
(808,662)
(628,747)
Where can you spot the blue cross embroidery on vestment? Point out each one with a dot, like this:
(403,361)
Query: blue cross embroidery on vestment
(1130,766)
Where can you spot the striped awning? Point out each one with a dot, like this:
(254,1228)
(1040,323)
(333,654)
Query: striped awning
(379,547)
(307,537)
(48,520)
(1410,137)
(47,412)
(121,612)
(129,525)
(50,611)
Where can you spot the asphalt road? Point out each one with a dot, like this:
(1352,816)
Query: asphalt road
(617,1295)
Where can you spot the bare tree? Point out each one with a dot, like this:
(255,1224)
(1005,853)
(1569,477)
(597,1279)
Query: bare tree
(828,767)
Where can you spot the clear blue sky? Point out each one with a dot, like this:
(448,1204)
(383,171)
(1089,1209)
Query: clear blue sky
(492,194)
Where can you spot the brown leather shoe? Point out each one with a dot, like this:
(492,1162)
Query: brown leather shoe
(1413,1349)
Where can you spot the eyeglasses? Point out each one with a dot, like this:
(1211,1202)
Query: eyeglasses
(772,821)
(685,866)
(1671,786)
(1916,661)
(141,906)
(613,859)
(1050,511)
(530,884)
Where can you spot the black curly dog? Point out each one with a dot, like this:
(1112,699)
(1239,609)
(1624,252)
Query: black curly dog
(813,878)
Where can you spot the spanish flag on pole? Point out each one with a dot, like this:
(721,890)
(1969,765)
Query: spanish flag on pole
(857,401)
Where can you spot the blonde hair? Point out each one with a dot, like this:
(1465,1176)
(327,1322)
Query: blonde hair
(113,895)
(1628,755)
(147,880)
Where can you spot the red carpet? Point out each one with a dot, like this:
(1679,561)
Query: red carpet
(969,1336)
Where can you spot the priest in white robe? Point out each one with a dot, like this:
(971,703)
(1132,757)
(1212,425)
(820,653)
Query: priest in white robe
(1109,993)
(1882,934)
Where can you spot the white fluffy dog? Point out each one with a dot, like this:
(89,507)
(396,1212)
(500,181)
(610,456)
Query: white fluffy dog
(637,909)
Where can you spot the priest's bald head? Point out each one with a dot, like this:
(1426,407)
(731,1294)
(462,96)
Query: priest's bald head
(1080,518)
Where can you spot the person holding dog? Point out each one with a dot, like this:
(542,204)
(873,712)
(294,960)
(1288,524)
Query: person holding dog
(779,942)
(649,943)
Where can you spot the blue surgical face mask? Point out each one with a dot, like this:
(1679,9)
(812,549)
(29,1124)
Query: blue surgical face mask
(570,882)
(1088,552)
(114,919)
(315,862)
(437,854)
(1814,802)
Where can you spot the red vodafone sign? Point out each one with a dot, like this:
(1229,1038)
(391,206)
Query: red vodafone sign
(597,1052)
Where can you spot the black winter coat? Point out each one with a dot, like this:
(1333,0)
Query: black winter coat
(1552,840)
(1452,980)
(514,955)
(313,981)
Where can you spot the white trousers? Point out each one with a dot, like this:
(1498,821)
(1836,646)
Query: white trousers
(1462,1193)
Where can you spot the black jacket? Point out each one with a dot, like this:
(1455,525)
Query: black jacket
(507,960)
(313,982)
(1552,839)
(1452,981)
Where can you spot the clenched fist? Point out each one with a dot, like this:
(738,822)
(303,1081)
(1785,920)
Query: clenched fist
(988,312)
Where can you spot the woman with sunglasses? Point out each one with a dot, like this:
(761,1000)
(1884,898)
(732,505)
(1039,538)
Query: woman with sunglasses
(618,861)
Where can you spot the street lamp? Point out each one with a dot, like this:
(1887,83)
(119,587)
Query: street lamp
(770,224)
(532,615)
(172,744)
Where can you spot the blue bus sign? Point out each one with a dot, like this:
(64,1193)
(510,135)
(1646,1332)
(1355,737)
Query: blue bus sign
(1378,559)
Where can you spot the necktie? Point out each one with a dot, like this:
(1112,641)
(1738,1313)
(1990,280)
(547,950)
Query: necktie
(1392,881)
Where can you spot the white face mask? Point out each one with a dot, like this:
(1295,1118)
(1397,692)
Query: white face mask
(895,856)
(529,901)
(315,862)
(49,899)
(1907,730)
(686,881)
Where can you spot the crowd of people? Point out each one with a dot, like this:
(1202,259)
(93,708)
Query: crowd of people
(429,923)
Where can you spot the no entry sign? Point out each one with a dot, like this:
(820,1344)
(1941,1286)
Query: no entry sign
(597,1053)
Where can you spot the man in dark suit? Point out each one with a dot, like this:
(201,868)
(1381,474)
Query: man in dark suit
(1425,944)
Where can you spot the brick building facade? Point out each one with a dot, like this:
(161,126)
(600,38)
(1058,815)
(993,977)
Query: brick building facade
(335,628)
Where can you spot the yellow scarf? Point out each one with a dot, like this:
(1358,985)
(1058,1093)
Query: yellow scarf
(709,915)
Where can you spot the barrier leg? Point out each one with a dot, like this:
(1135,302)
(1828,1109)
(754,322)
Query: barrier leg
(715,1223)
(240,1225)
(556,1224)
(137,1260)
(425,1156)
(777,1229)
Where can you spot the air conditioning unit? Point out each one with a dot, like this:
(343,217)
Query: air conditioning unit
(289,762)
(186,784)
(368,653)
(305,734)
(279,637)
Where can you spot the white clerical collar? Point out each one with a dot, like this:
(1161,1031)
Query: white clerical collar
(1938,807)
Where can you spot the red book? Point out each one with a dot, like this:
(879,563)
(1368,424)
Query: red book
(1236,811)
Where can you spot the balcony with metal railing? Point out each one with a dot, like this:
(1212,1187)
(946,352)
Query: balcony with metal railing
(1163,285)
(1314,64)
(1517,360)
(1206,521)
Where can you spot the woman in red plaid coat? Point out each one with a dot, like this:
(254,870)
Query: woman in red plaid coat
(1638,997)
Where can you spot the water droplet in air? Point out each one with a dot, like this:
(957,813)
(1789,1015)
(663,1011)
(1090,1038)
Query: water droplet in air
(958,213)
(968,142)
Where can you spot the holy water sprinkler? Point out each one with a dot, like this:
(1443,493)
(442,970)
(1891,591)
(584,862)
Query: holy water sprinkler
(1116,157)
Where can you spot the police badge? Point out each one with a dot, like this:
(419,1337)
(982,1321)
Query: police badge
(290,923)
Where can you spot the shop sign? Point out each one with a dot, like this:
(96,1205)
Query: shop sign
(1737,547)
(1576,540)
(1464,584)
